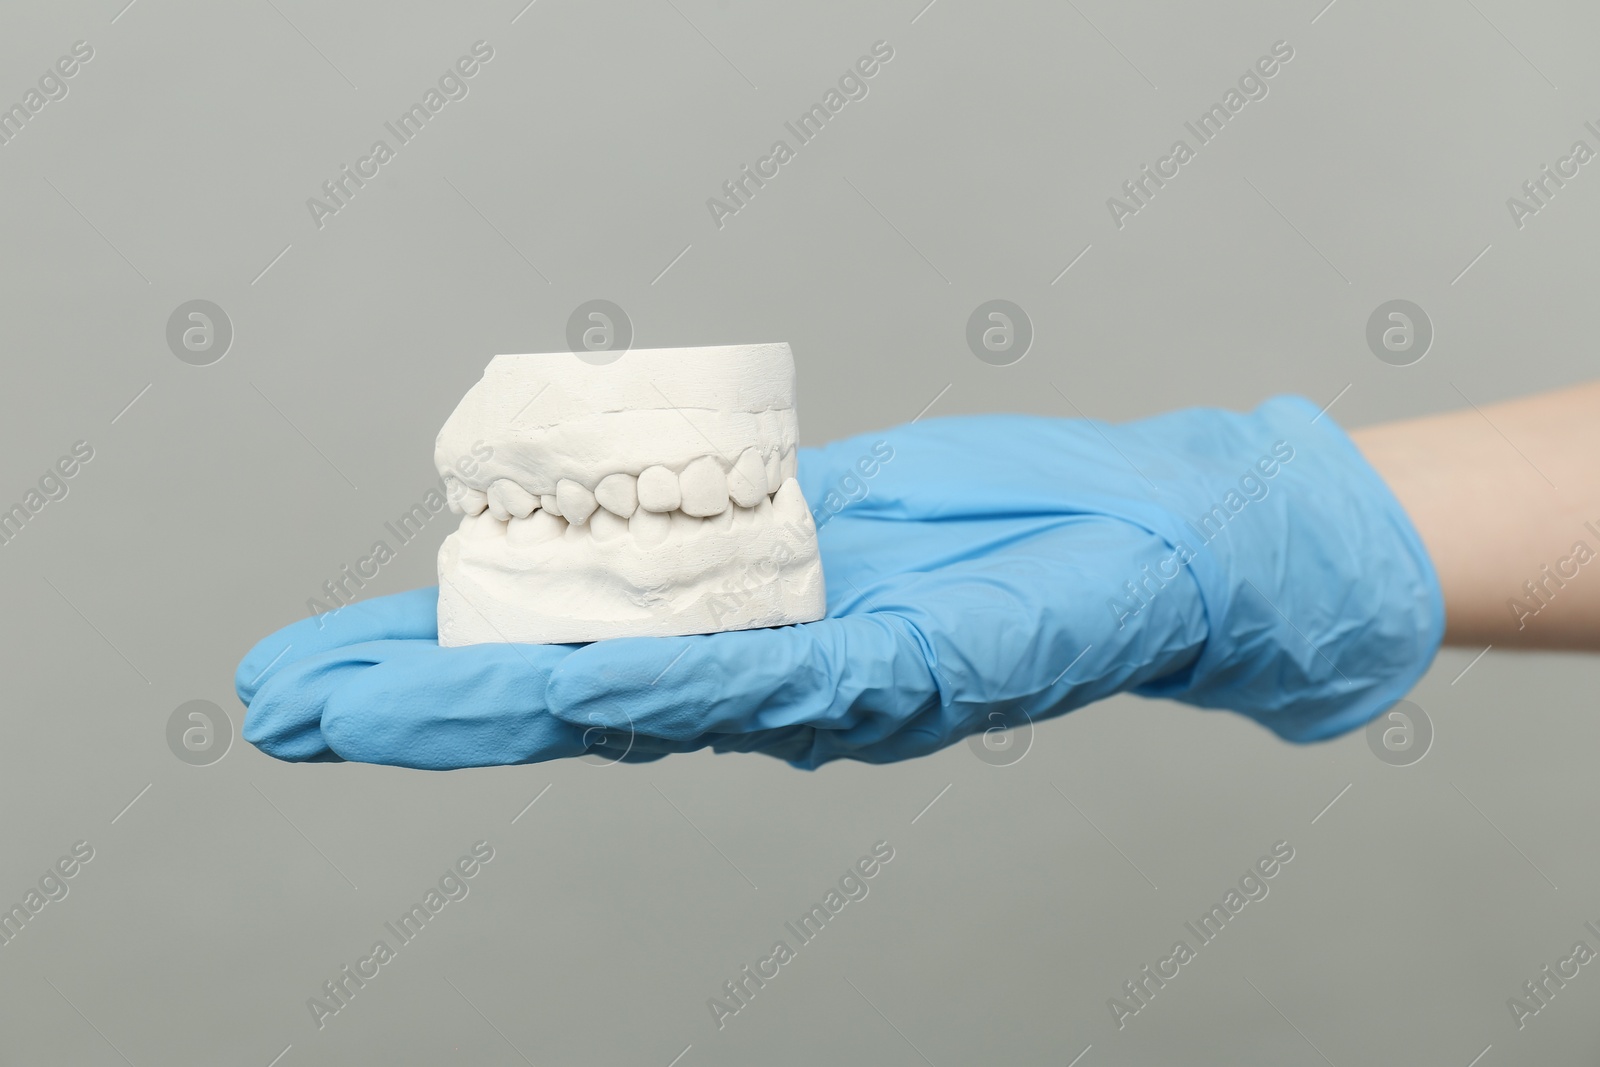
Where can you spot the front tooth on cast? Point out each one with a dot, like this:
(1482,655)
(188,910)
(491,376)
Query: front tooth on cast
(724,520)
(536,529)
(790,467)
(789,504)
(658,490)
(607,527)
(704,487)
(576,502)
(649,527)
(547,501)
(772,464)
(473,501)
(512,499)
(747,482)
(618,494)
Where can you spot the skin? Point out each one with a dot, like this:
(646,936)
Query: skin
(1498,493)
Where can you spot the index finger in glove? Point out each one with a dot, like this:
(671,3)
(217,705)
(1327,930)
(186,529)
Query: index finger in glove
(824,674)
(442,708)
(412,615)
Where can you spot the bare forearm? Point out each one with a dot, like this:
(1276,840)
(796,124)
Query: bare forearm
(1507,500)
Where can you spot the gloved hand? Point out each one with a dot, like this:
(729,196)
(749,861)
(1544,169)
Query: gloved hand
(994,569)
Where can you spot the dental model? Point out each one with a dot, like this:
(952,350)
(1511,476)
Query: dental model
(653,495)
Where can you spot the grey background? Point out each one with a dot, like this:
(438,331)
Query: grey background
(977,168)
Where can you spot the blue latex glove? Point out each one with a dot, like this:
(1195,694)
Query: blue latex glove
(995,569)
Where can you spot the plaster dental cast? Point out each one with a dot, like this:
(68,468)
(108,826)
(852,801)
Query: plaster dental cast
(621,500)
(1263,562)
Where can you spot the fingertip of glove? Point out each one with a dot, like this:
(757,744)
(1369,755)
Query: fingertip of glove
(279,721)
(248,676)
(264,731)
(596,684)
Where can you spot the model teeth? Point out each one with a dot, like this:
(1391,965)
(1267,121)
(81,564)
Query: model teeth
(704,488)
(618,494)
(576,502)
(508,500)
(788,502)
(649,527)
(658,490)
(536,529)
(645,526)
(607,527)
(484,526)
(655,497)
(648,508)
(747,482)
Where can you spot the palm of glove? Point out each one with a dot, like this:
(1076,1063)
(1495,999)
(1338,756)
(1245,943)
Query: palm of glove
(969,584)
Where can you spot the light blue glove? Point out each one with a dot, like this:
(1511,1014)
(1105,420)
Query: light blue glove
(979,570)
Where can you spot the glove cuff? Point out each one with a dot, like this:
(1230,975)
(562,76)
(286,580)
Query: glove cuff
(1323,607)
